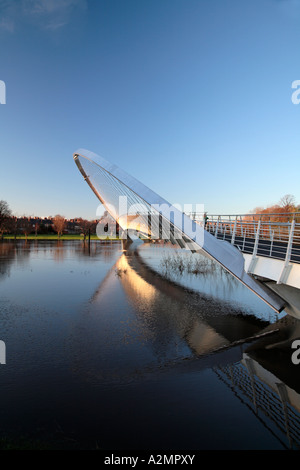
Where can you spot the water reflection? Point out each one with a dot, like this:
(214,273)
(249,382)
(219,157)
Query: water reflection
(11,253)
(199,322)
(105,248)
(96,336)
(7,254)
(266,381)
(198,273)
(21,250)
(147,323)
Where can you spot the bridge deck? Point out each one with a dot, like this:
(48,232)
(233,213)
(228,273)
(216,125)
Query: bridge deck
(276,249)
(274,236)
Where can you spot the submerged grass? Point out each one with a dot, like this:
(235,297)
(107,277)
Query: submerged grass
(187,263)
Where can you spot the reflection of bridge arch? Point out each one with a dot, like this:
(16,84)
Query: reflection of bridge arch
(272,401)
(109,182)
(168,301)
(267,382)
(157,324)
(194,319)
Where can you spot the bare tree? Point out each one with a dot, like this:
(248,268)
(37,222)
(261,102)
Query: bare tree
(5,227)
(59,223)
(85,226)
(4,210)
(288,203)
(5,214)
(277,212)
(26,226)
(13,225)
(36,228)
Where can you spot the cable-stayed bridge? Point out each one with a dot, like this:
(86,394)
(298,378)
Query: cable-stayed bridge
(221,240)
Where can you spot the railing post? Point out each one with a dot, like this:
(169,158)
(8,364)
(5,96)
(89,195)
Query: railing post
(271,244)
(245,233)
(286,266)
(217,227)
(255,228)
(233,233)
(253,260)
(256,238)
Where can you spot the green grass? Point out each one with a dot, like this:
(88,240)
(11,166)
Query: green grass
(53,237)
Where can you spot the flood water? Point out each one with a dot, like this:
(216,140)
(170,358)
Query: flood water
(112,348)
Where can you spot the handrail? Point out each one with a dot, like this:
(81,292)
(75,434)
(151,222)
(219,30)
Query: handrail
(250,214)
(275,235)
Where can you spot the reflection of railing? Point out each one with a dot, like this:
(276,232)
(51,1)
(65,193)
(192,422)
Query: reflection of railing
(272,235)
(279,416)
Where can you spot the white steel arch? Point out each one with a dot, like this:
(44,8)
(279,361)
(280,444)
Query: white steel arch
(109,182)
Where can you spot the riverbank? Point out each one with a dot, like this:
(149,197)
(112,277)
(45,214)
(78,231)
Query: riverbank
(55,237)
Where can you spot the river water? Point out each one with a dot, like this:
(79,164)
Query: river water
(112,348)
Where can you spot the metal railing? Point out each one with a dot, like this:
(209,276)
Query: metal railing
(274,235)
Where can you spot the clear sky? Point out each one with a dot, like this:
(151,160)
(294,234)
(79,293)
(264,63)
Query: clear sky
(192,97)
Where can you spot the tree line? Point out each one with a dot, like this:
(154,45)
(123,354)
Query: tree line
(280,211)
(10,224)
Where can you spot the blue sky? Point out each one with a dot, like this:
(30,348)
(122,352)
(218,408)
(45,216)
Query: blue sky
(192,97)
